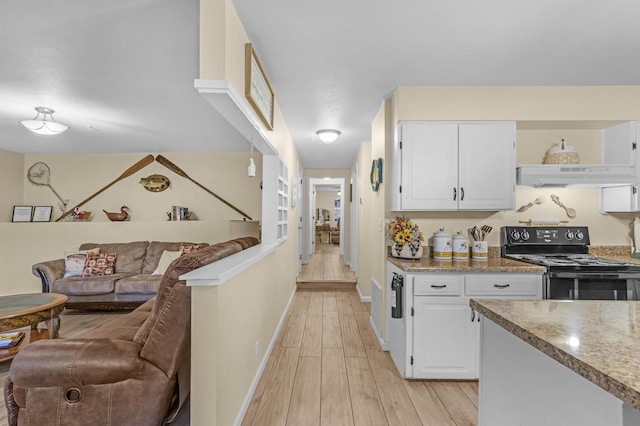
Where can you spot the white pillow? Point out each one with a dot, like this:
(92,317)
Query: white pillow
(74,261)
(165,260)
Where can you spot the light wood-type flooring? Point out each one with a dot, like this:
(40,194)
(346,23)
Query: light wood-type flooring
(72,324)
(326,270)
(327,368)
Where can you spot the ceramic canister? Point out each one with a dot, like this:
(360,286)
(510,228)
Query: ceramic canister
(442,245)
(460,247)
(480,250)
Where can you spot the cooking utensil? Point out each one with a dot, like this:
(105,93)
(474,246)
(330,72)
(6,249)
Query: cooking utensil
(486,229)
(543,221)
(570,212)
(526,207)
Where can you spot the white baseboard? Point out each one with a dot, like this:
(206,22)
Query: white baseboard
(263,364)
(384,345)
(364,299)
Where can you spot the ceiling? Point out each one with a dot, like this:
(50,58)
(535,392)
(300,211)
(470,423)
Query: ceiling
(121,72)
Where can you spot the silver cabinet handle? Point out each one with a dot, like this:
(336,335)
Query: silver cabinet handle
(438,286)
(455,193)
(501,285)
(473,315)
(461,194)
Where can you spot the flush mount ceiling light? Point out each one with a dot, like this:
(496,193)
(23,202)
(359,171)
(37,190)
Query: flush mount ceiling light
(328,135)
(44,125)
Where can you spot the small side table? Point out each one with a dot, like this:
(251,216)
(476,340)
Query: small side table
(23,310)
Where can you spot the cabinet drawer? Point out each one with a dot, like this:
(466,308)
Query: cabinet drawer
(438,285)
(503,285)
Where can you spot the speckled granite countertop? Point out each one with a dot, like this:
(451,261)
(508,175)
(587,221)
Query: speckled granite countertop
(497,264)
(598,339)
(493,264)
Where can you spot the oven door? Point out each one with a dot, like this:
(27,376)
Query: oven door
(592,286)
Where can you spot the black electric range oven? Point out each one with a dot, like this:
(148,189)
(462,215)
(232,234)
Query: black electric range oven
(572,273)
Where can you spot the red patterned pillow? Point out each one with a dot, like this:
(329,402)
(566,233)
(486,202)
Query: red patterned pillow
(98,264)
(189,247)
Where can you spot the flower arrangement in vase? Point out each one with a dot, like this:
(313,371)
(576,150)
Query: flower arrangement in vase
(406,239)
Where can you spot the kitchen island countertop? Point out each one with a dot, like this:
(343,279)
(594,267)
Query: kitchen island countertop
(492,264)
(599,340)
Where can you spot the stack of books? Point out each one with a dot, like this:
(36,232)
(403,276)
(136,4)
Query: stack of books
(9,340)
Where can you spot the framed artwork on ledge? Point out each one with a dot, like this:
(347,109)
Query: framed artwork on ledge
(22,213)
(42,213)
(257,88)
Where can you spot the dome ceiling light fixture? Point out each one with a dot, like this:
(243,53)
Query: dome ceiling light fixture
(43,125)
(328,135)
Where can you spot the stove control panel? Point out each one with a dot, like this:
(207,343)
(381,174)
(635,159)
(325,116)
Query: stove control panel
(544,235)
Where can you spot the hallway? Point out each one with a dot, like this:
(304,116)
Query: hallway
(326,270)
(327,368)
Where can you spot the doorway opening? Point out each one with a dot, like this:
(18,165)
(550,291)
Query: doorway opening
(327,234)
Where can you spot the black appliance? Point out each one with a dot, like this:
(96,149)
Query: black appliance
(572,273)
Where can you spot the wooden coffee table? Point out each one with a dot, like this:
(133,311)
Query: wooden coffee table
(29,310)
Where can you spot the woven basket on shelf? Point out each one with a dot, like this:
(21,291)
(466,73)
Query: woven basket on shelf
(562,158)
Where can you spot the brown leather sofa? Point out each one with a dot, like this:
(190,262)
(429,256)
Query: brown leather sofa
(131,284)
(133,370)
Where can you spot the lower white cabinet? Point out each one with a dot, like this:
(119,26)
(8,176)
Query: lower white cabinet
(438,335)
(445,338)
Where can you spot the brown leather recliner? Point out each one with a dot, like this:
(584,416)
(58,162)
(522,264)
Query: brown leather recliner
(133,370)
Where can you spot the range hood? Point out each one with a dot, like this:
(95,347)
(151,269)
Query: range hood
(559,175)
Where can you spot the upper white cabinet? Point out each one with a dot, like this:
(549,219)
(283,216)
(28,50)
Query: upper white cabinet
(619,146)
(454,166)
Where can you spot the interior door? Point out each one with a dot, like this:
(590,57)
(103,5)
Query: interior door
(297,193)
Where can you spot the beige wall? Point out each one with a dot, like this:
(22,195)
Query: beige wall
(78,176)
(228,321)
(517,103)
(544,115)
(11,178)
(366,224)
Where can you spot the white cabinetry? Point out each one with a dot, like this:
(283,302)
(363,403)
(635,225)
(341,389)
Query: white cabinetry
(445,338)
(454,166)
(619,145)
(438,334)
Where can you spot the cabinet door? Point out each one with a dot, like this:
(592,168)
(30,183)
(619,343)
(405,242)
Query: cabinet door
(429,158)
(620,146)
(445,338)
(487,166)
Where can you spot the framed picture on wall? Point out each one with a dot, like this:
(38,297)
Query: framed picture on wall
(376,174)
(257,88)
(22,213)
(42,213)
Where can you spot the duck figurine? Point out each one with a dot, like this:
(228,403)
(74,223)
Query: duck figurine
(119,216)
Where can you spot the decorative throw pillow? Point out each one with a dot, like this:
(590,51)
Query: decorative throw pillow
(165,260)
(99,264)
(189,247)
(74,262)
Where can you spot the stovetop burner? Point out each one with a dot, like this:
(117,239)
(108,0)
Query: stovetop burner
(574,260)
(560,248)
